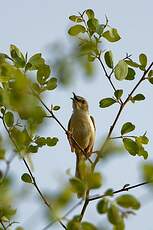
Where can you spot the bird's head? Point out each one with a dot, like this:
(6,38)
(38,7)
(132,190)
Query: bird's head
(79,103)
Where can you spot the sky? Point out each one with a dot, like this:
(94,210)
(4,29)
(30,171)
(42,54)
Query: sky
(32,25)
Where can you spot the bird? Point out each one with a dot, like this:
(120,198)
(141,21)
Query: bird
(82,130)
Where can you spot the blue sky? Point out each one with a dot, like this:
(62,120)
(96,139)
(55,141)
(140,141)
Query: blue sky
(32,25)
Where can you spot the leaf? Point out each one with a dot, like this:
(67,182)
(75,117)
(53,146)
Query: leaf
(114,215)
(77,186)
(94,180)
(131,63)
(142,139)
(121,70)
(131,74)
(51,141)
(33,149)
(43,74)
(131,146)
(35,62)
(75,30)
(118,93)
(138,97)
(9,119)
(112,35)
(26,178)
(127,127)
(150,74)
(56,107)
(52,83)
(41,141)
(75,18)
(148,171)
(90,13)
(102,206)
(109,59)
(143,60)
(151,80)
(128,201)
(17,56)
(109,192)
(92,25)
(87,226)
(106,102)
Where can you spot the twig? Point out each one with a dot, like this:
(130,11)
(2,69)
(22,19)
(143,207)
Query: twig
(66,214)
(119,112)
(86,202)
(124,189)
(33,178)
(3,225)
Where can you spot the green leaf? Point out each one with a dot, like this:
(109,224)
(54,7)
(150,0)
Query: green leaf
(109,59)
(112,35)
(138,97)
(51,141)
(33,149)
(77,186)
(127,127)
(87,226)
(131,146)
(90,13)
(114,215)
(131,74)
(150,74)
(92,25)
(52,83)
(43,74)
(148,171)
(56,107)
(26,178)
(128,201)
(41,141)
(35,62)
(132,63)
(151,80)
(143,60)
(109,192)
(74,224)
(142,151)
(121,70)
(118,93)
(142,139)
(94,180)
(106,102)
(75,18)
(102,206)
(17,56)
(75,30)
(9,119)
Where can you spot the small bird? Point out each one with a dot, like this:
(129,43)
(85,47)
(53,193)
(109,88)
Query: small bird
(82,128)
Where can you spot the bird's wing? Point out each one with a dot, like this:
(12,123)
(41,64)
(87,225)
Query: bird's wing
(93,121)
(69,137)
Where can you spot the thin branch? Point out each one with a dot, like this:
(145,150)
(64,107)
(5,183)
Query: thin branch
(1,222)
(86,202)
(30,172)
(124,189)
(119,112)
(66,214)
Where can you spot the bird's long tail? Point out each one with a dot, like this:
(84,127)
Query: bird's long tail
(80,166)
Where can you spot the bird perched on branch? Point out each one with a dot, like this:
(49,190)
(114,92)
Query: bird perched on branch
(81,128)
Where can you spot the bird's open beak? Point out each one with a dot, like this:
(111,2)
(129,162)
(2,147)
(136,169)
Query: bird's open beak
(74,97)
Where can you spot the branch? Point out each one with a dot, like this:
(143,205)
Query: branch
(1,222)
(30,172)
(66,214)
(124,189)
(119,112)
